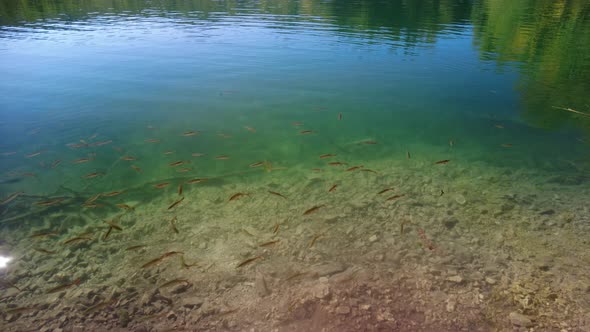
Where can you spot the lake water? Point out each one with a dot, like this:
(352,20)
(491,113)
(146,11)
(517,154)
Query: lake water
(295,165)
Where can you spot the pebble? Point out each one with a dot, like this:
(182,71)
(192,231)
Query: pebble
(490,281)
(519,319)
(343,310)
(457,279)
(260,285)
(373,238)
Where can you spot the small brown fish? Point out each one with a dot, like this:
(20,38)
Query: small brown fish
(160,259)
(77,239)
(183,170)
(339,116)
(442,162)
(112,193)
(368,170)
(250,129)
(408,155)
(10,153)
(152,140)
(92,175)
(222,157)
(257,164)
(106,235)
(190,133)
(63,287)
(193,181)
(354,168)
(178,163)
(332,188)
(180,189)
(384,191)
(328,155)
(161,185)
(139,246)
(297,124)
(451,143)
(176,203)
(11,198)
(49,202)
(92,205)
(99,306)
(168,152)
(248,261)
(19,310)
(137,169)
(125,207)
(172,225)
(101,143)
(394,197)
(275,229)
(269,243)
(128,158)
(82,160)
(43,235)
(237,195)
(313,241)
(45,251)
(55,163)
(198,154)
(499,126)
(306,132)
(93,198)
(112,224)
(337,163)
(174,282)
(277,194)
(313,209)
(34,154)
(316,169)
(506,145)
(368,142)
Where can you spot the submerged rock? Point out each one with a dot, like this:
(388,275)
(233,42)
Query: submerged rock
(519,319)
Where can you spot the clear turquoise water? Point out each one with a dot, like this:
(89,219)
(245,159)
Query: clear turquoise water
(450,80)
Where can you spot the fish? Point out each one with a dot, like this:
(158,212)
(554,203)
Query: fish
(136,247)
(384,191)
(101,143)
(93,136)
(316,169)
(499,126)
(64,287)
(92,175)
(92,205)
(313,209)
(152,140)
(328,155)
(151,128)
(248,261)
(112,193)
(190,133)
(19,310)
(82,160)
(161,258)
(176,203)
(161,185)
(106,235)
(354,168)
(172,225)
(45,251)
(269,243)
(315,238)
(174,282)
(193,181)
(275,229)
(222,157)
(257,164)
(125,207)
(368,170)
(237,195)
(180,189)
(339,116)
(408,155)
(112,224)
(277,194)
(99,306)
(55,163)
(332,188)
(137,169)
(128,158)
(394,197)
(368,142)
(337,163)
(184,264)
(34,154)
(305,132)
(224,135)
(183,170)
(451,143)
(297,124)
(92,199)
(442,192)
(49,202)
(250,129)
(9,153)
(11,197)
(572,110)
(197,154)
(506,145)
(178,163)
(43,234)
(167,152)
(442,162)
(77,239)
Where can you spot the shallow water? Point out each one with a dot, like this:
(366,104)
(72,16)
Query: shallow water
(99,97)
